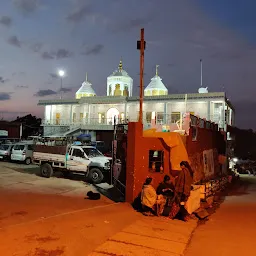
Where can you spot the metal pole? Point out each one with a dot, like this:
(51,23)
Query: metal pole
(201,63)
(61,88)
(141,74)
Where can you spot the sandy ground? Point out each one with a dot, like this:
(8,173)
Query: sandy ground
(40,217)
(232,229)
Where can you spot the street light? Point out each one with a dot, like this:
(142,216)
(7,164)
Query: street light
(61,74)
(235,160)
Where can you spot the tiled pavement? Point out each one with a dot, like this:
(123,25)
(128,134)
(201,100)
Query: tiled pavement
(151,236)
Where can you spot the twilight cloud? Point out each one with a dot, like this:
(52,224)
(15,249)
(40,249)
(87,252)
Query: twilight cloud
(27,6)
(36,47)
(3,80)
(63,53)
(6,21)
(43,93)
(14,41)
(94,50)
(64,90)
(4,96)
(79,13)
(47,56)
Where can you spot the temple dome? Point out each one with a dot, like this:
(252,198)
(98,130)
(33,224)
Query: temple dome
(85,90)
(156,86)
(120,71)
(203,90)
(119,83)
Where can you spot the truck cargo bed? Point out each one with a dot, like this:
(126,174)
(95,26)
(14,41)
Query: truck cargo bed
(48,157)
(59,150)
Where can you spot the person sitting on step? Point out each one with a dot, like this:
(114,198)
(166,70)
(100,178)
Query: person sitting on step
(148,197)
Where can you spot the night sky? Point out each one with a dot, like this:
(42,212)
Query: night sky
(79,36)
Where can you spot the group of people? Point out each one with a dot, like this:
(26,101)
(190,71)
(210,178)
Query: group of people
(169,198)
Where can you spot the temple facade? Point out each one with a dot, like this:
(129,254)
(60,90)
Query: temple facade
(96,114)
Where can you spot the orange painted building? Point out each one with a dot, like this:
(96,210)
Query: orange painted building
(169,152)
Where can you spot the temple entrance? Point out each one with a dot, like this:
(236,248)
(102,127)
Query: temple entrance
(112,116)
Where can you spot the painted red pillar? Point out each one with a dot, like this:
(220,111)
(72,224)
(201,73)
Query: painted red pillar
(134,157)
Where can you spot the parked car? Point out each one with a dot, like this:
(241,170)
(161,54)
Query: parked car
(5,151)
(22,152)
(72,159)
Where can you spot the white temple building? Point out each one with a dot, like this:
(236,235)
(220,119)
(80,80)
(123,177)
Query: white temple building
(96,114)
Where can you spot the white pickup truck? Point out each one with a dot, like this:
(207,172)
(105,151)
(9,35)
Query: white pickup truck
(72,159)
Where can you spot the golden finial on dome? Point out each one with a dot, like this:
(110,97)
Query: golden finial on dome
(157,70)
(120,65)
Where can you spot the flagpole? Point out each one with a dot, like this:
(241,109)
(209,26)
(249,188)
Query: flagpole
(201,63)
(142,48)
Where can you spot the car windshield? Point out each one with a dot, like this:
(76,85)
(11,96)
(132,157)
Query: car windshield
(4,147)
(92,152)
(19,147)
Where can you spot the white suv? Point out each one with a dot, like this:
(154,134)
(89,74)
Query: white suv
(22,152)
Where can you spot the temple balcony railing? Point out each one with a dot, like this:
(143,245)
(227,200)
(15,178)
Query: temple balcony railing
(104,124)
(83,121)
(97,121)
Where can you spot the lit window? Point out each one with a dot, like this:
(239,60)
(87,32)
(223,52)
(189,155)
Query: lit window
(175,117)
(101,118)
(156,161)
(160,117)
(74,117)
(148,117)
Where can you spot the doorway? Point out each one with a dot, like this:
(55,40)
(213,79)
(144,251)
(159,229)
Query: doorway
(112,115)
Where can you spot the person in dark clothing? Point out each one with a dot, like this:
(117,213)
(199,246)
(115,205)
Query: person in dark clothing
(165,188)
(183,187)
(165,193)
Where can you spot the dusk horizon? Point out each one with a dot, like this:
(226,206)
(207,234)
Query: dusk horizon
(41,37)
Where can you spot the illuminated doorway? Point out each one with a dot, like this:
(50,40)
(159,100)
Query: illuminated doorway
(112,114)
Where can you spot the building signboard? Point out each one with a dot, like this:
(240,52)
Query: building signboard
(3,133)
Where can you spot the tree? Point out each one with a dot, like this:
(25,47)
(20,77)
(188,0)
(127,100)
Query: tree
(31,125)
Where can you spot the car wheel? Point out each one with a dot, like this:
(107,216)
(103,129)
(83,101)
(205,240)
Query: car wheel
(28,161)
(96,176)
(46,170)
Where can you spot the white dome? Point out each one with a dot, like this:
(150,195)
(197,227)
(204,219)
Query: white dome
(119,83)
(156,86)
(85,90)
(203,90)
(120,71)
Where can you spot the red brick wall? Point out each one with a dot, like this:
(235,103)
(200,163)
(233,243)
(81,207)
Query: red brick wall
(12,128)
(206,139)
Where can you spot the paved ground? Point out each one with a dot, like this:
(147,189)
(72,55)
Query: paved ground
(27,179)
(50,217)
(41,217)
(231,230)
(149,236)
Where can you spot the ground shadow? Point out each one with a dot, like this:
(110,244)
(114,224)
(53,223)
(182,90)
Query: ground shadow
(112,193)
